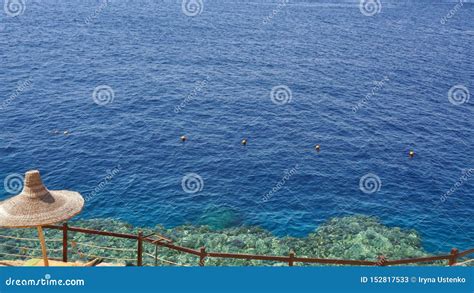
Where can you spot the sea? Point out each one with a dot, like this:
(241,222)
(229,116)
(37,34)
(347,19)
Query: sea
(210,112)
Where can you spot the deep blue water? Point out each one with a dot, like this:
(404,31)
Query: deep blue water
(227,60)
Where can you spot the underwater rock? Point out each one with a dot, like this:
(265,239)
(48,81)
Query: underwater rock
(352,237)
(219,217)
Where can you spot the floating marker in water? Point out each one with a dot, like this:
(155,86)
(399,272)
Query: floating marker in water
(317,147)
(411,154)
(183,138)
(244,141)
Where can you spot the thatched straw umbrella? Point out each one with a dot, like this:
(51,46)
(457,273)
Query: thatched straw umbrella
(37,206)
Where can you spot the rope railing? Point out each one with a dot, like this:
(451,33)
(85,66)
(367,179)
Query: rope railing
(108,257)
(203,255)
(103,247)
(28,248)
(82,254)
(164,260)
(24,251)
(18,255)
(464,262)
(29,239)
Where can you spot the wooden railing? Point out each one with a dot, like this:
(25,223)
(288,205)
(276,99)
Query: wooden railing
(203,254)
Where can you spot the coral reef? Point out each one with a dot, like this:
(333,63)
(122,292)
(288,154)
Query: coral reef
(353,237)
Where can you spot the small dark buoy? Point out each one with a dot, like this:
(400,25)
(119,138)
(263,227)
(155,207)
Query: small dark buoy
(317,147)
(244,141)
(66,132)
(411,154)
(183,138)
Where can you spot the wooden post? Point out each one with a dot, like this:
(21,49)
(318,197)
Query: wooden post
(202,257)
(140,249)
(292,256)
(156,255)
(381,261)
(65,242)
(453,257)
(43,246)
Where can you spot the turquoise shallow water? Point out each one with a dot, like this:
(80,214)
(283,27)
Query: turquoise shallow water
(366,88)
(356,237)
